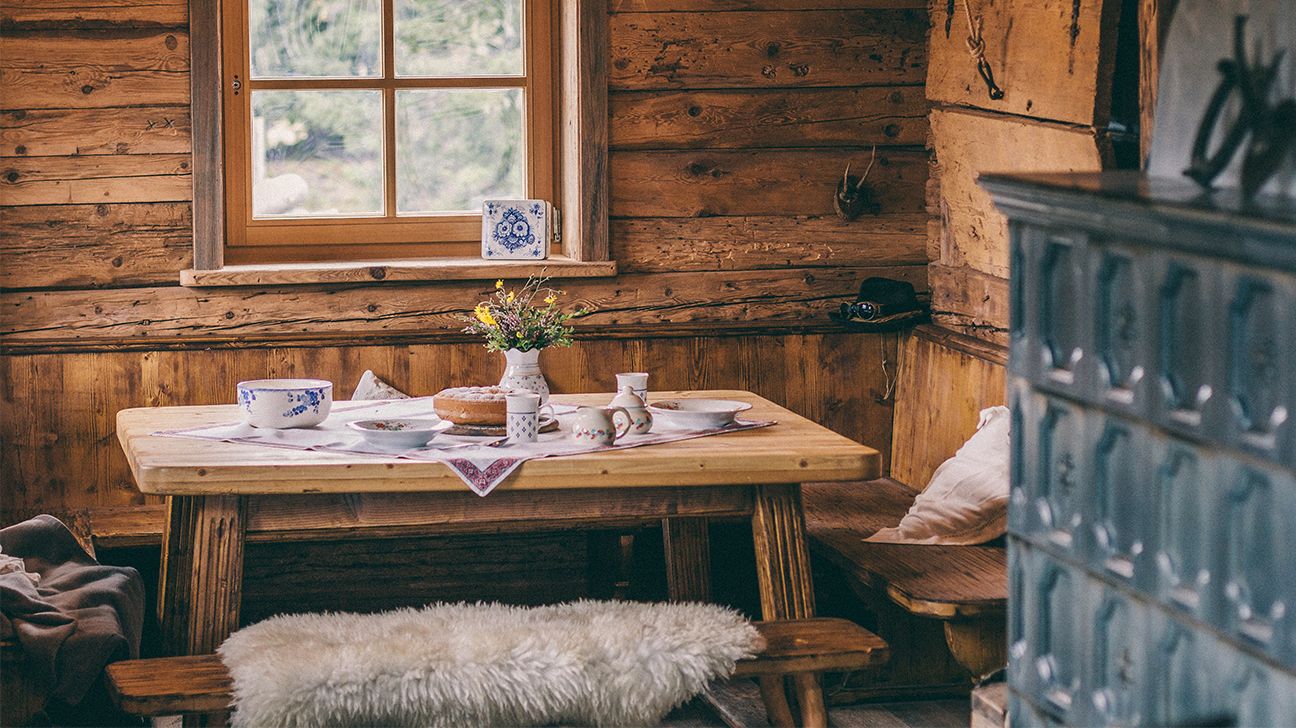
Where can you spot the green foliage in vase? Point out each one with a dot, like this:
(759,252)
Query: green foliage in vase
(526,319)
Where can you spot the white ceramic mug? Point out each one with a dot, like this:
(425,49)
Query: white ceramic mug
(522,421)
(638,381)
(598,425)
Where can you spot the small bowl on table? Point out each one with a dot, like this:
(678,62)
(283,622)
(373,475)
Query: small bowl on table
(698,414)
(400,434)
(285,403)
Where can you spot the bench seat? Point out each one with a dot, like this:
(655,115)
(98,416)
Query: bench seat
(180,685)
(964,589)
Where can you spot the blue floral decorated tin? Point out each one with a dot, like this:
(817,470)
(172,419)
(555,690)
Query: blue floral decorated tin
(516,229)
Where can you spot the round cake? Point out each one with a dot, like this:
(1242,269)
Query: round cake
(472,405)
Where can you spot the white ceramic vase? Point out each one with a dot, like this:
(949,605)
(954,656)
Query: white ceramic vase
(522,371)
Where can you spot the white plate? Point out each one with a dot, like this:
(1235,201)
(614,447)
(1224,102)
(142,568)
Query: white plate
(698,414)
(395,432)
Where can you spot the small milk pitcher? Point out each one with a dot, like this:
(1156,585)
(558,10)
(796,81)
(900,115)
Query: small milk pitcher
(599,425)
(641,420)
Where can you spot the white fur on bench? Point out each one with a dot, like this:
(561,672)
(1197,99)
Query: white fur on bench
(599,663)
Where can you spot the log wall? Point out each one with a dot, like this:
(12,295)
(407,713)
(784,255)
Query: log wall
(1055,61)
(731,121)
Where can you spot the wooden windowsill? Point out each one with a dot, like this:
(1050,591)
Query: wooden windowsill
(428,269)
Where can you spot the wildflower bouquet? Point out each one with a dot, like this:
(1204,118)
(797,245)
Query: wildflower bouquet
(516,320)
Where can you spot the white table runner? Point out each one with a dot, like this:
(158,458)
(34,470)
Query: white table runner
(482,463)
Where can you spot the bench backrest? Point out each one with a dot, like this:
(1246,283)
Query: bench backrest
(944,381)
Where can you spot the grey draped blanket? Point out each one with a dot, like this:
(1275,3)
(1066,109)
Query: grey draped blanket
(79,617)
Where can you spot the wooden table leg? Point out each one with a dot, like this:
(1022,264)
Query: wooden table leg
(786,588)
(688,559)
(201,581)
(782,558)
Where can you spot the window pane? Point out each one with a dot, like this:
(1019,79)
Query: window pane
(457,147)
(315,38)
(458,37)
(316,153)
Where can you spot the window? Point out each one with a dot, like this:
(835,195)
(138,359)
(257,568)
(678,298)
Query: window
(375,128)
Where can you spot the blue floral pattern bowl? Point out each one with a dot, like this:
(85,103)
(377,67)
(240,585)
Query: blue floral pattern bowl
(285,403)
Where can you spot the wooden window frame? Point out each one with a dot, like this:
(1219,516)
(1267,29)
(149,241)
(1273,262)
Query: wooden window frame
(581,158)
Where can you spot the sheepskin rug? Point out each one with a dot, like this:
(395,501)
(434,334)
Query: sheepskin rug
(583,663)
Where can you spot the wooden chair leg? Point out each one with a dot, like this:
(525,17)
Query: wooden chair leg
(810,697)
(776,705)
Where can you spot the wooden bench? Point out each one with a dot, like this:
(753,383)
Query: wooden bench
(796,648)
(941,608)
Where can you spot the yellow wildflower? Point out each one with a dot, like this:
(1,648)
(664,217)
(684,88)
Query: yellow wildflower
(483,315)
(551,299)
(510,297)
(499,283)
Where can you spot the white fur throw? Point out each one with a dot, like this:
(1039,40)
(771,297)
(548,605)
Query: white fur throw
(586,663)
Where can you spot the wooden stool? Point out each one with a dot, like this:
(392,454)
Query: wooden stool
(803,648)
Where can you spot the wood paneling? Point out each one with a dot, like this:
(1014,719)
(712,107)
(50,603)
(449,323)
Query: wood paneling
(73,69)
(663,244)
(767,49)
(769,118)
(1052,58)
(99,14)
(94,245)
(933,371)
(59,410)
(969,143)
(771,182)
(54,132)
(87,180)
(970,302)
(639,6)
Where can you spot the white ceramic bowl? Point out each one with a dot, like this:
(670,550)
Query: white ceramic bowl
(399,433)
(284,403)
(697,414)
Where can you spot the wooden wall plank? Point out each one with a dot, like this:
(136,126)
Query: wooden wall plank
(94,245)
(18,15)
(177,315)
(767,49)
(88,69)
(1053,58)
(664,244)
(970,302)
(773,182)
(100,178)
(769,118)
(67,132)
(641,6)
(939,397)
(969,143)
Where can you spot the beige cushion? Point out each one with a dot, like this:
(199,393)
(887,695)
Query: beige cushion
(966,501)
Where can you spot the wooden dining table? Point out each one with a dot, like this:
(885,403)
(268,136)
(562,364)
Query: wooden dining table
(222,495)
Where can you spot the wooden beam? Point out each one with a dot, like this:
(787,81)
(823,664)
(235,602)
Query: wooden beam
(85,132)
(771,49)
(853,117)
(94,179)
(92,14)
(583,131)
(158,317)
(206,91)
(709,183)
(62,69)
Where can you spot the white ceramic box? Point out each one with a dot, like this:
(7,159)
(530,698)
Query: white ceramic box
(516,229)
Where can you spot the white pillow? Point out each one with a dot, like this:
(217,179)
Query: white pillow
(966,501)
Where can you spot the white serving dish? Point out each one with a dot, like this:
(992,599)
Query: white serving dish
(697,414)
(284,403)
(400,433)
